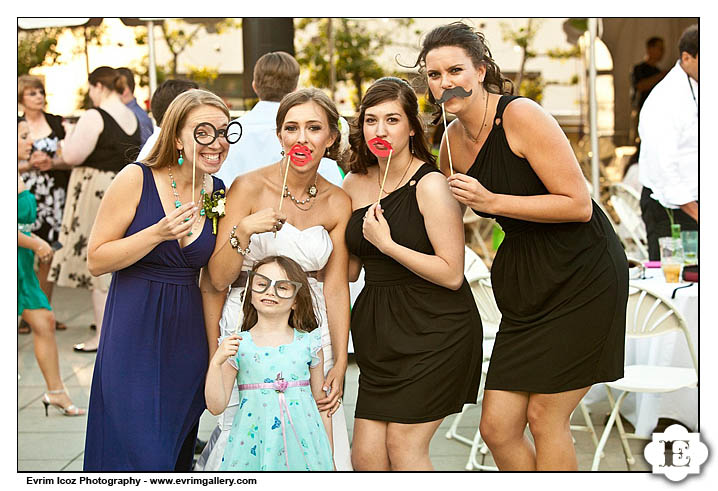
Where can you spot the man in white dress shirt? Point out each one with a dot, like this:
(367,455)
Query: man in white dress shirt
(668,161)
(276,74)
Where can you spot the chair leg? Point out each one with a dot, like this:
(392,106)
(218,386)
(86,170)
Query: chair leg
(453,433)
(589,424)
(606,432)
(621,432)
(474,449)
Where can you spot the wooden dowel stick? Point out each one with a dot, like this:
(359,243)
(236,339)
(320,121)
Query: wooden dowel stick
(448,145)
(240,314)
(194,168)
(284,183)
(383,181)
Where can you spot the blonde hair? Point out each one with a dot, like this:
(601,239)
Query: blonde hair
(25,82)
(164,151)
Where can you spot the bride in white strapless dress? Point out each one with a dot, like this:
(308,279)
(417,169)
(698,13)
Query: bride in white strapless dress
(312,224)
(311,249)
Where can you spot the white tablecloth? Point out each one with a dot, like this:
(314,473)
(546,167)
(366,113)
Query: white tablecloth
(643,410)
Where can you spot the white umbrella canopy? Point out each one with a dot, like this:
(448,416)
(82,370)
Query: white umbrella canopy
(28,23)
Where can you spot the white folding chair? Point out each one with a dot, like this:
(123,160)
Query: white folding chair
(478,276)
(632,231)
(479,229)
(648,314)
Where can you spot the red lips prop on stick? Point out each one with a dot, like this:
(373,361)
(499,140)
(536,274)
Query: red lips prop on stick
(380,148)
(300,155)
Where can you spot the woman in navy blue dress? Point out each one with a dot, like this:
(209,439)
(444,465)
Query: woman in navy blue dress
(148,384)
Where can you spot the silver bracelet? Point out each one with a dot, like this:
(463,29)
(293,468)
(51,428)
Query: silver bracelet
(234,242)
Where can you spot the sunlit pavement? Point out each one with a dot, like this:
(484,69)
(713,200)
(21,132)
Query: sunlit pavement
(56,442)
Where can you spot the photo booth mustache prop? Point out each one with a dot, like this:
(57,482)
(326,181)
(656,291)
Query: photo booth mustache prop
(455,92)
(448,94)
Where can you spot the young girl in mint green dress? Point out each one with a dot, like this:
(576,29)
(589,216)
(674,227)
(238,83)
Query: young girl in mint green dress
(277,361)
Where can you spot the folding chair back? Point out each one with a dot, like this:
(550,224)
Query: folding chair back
(650,314)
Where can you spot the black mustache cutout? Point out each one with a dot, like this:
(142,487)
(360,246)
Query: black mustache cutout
(455,92)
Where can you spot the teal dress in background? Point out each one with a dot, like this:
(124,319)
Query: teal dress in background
(29,294)
(255,442)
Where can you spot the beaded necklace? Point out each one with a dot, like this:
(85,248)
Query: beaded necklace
(178,203)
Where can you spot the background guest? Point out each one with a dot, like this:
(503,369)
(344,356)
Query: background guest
(128,98)
(44,173)
(646,74)
(161,99)
(668,162)
(103,141)
(32,304)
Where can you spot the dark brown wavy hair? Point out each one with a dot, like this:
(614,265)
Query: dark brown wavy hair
(108,77)
(302,317)
(474,44)
(387,89)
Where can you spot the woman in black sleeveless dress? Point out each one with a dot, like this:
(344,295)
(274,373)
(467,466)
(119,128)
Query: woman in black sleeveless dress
(416,330)
(560,277)
(105,138)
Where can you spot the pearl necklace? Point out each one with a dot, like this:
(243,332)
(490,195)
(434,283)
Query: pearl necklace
(178,203)
(312,191)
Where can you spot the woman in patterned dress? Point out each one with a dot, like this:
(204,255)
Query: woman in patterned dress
(44,172)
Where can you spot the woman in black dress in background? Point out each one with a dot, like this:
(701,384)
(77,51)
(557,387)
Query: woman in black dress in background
(560,276)
(416,330)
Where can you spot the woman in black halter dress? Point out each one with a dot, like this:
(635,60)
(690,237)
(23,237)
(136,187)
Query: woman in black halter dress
(416,330)
(560,276)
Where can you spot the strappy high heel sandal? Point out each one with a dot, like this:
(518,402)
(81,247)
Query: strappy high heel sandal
(70,410)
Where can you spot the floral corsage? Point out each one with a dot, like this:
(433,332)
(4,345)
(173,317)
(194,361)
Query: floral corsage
(213,207)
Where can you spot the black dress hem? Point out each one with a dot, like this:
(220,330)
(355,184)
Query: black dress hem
(571,387)
(417,420)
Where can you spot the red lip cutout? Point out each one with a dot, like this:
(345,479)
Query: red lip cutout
(297,160)
(378,151)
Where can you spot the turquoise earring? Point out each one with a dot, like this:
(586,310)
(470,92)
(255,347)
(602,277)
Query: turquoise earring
(180,160)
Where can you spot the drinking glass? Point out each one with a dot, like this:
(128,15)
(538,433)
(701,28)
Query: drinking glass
(672,258)
(690,246)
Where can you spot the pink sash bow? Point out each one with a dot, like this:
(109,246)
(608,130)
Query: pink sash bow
(280,385)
